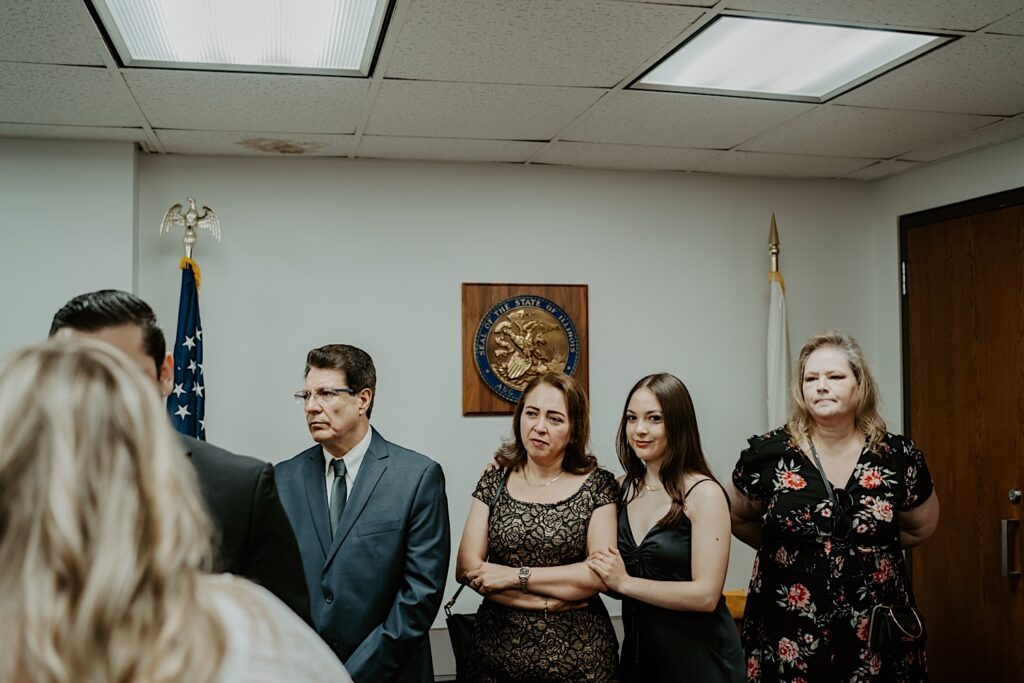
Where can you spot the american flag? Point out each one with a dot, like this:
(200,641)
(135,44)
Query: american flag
(187,401)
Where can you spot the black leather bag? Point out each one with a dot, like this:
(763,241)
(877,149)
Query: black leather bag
(894,628)
(460,626)
(460,632)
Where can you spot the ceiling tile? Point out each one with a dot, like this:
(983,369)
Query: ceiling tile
(1013,25)
(1001,131)
(936,14)
(959,77)
(468,110)
(73,95)
(674,119)
(31,130)
(781,165)
(571,42)
(447,149)
(883,169)
(856,132)
(255,143)
(49,32)
(632,157)
(253,102)
(692,3)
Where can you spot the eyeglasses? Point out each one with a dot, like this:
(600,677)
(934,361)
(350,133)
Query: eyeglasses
(842,516)
(324,396)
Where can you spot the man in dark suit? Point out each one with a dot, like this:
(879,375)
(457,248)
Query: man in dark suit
(371,518)
(254,538)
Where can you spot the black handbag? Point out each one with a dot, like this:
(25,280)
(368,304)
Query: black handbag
(460,632)
(894,628)
(891,628)
(461,625)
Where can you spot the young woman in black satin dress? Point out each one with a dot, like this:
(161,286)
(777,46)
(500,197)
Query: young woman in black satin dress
(674,535)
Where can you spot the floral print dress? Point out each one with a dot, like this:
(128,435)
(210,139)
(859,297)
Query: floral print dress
(811,594)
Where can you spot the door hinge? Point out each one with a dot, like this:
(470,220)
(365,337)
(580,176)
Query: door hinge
(903,277)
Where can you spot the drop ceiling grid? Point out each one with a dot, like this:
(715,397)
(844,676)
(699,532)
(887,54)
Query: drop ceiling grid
(246,143)
(623,157)
(862,132)
(252,102)
(963,15)
(782,165)
(1000,131)
(68,95)
(585,43)
(474,110)
(47,32)
(977,74)
(447,149)
(678,120)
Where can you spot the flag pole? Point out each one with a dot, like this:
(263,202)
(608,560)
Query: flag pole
(777,367)
(186,404)
(773,245)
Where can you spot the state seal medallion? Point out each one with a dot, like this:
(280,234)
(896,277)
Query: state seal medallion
(523,337)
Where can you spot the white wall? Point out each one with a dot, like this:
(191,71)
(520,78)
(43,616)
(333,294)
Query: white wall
(373,253)
(66,217)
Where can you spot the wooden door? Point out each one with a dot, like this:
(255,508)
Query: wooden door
(964,406)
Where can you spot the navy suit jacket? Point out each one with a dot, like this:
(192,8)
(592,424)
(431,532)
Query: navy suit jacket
(374,588)
(253,536)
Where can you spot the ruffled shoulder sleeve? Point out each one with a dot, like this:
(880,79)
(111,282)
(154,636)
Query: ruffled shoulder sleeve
(488,484)
(911,471)
(752,475)
(605,490)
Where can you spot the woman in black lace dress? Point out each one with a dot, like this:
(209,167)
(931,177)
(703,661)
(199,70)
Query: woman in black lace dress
(529,529)
(822,565)
(673,545)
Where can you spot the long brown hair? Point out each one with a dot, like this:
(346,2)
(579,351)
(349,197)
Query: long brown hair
(867,420)
(683,453)
(102,530)
(578,459)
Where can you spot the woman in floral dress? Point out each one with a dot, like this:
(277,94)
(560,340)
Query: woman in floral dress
(820,567)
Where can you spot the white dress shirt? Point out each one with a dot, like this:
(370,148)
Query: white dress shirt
(352,461)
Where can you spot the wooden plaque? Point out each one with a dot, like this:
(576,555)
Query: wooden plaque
(478,301)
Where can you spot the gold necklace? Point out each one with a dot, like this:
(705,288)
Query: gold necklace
(648,487)
(547,483)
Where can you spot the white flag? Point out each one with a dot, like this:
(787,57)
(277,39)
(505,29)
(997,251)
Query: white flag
(778,353)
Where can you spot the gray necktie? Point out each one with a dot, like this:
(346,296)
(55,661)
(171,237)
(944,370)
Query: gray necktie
(339,492)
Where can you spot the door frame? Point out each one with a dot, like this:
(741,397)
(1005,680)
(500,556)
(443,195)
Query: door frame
(907,222)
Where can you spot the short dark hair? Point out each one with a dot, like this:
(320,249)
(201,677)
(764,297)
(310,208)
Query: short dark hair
(577,459)
(353,361)
(113,308)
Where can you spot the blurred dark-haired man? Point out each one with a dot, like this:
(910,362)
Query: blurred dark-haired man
(254,538)
(371,519)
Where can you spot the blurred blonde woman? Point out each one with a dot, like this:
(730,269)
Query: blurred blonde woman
(103,538)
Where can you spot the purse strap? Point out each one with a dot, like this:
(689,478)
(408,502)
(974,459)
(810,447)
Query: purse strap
(910,601)
(494,501)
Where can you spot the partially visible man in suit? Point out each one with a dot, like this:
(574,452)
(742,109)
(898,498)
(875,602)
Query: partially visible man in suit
(371,518)
(255,539)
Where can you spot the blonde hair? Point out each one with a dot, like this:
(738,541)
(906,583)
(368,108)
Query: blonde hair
(867,420)
(102,531)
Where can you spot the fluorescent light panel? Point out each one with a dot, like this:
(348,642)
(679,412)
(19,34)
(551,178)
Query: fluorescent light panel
(783,59)
(286,36)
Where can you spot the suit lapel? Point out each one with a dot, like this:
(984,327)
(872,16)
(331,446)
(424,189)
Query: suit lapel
(374,464)
(313,469)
